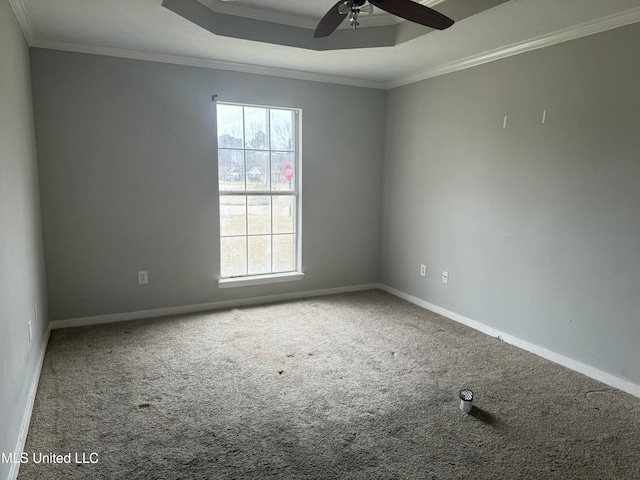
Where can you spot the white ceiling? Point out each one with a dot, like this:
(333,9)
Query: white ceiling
(145,29)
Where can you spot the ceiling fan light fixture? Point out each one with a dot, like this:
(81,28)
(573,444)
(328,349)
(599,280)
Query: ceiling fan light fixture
(344,8)
(368,8)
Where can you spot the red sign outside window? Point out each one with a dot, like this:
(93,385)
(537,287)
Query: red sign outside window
(288,172)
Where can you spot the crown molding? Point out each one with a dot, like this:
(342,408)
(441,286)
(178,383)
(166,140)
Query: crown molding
(22,16)
(204,63)
(585,29)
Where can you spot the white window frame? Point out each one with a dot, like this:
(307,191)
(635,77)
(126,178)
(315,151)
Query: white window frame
(259,279)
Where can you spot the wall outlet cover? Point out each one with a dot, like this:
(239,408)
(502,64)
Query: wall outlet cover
(143,277)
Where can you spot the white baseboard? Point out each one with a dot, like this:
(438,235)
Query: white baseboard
(26,418)
(162,312)
(574,365)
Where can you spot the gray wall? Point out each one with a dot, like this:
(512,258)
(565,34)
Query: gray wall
(538,225)
(21,259)
(128,181)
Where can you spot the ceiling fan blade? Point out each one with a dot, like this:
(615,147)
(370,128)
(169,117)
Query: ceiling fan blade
(330,21)
(414,12)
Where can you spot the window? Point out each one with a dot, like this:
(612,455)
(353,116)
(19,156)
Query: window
(259,193)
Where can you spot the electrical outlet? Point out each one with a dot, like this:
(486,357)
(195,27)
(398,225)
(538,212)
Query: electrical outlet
(143,277)
(445,276)
(423,270)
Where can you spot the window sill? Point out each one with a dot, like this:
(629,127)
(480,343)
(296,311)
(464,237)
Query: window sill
(260,279)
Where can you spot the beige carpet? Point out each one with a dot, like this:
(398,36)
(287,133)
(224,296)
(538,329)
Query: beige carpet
(354,386)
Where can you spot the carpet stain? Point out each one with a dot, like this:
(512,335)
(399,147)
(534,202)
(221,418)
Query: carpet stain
(243,335)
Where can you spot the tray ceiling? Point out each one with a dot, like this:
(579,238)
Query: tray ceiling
(145,29)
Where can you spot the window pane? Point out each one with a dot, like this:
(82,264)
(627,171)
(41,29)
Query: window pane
(259,254)
(283,214)
(284,250)
(233,215)
(230,126)
(230,169)
(282,131)
(256,125)
(257,170)
(233,256)
(259,208)
(282,172)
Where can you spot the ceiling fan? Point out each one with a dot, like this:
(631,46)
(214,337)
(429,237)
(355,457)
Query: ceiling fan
(406,9)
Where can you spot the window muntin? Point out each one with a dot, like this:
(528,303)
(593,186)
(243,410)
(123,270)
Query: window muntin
(259,196)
